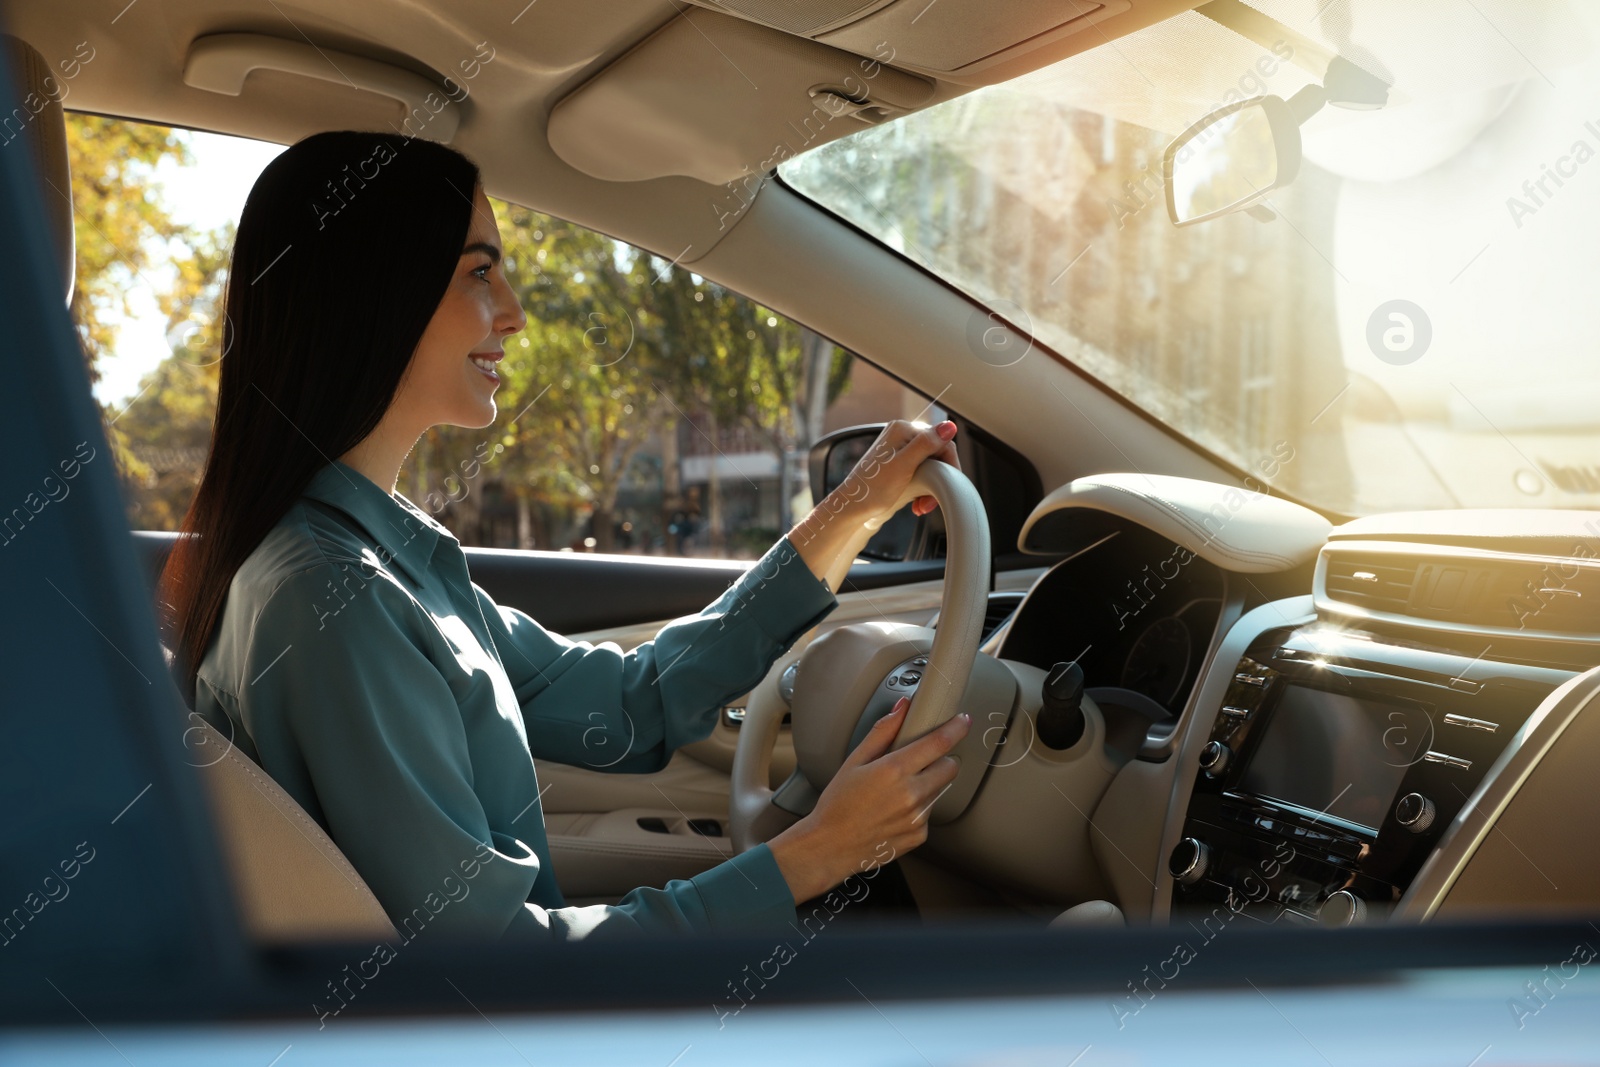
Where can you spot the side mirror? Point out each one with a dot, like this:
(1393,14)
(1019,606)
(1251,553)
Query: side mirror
(835,455)
(1231,159)
(832,459)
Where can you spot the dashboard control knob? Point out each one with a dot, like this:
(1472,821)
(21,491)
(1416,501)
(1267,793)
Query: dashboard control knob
(1343,908)
(1415,812)
(1214,758)
(1189,860)
(1060,721)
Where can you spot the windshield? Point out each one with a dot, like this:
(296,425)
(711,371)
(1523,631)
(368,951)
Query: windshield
(1416,327)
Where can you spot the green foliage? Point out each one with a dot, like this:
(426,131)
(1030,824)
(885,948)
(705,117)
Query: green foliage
(162,437)
(619,349)
(122,224)
(126,240)
(162,440)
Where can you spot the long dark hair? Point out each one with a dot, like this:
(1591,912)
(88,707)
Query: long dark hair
(346,245)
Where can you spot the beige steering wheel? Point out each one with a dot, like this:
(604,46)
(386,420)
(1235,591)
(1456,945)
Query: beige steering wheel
(849,677)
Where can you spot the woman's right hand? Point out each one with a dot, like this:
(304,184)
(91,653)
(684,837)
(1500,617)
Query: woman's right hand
(875,808)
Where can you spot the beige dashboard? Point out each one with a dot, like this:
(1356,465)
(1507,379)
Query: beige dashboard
(1052,828)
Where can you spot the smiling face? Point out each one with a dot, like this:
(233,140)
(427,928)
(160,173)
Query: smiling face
(451,379)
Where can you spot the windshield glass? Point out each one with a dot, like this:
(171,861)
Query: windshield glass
(1416,327)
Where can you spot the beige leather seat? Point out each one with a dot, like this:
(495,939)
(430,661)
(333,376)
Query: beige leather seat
(291,881)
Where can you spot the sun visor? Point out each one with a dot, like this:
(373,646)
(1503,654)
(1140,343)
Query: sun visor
(719,98)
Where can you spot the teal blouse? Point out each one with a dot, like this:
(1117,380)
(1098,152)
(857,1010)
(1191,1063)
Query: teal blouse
(359,664)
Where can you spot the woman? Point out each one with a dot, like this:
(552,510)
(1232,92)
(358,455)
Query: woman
(335,626)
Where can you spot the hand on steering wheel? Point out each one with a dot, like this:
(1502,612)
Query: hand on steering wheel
(873,490)
(873,810)
(881,475)
(842,677)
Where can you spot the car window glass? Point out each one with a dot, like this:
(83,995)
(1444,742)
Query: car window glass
(1404,326)
(644,409)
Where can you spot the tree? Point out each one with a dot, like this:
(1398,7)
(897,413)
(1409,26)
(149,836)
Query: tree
(577,397)
(742,365)
(782,377)
(126,240)
(162,441)
(161,438)
(620,348)
(124,233)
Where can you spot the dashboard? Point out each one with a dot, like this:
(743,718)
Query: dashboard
(1133,609)
(1334,766)
(1136,613)
(1341,734)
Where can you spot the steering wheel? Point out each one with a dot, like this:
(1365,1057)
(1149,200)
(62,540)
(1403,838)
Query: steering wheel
(844,681)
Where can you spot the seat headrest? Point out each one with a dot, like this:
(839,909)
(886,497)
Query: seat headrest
(34,103)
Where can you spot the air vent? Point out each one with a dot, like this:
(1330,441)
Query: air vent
(1376,583)
(1000,607)
(1467,590)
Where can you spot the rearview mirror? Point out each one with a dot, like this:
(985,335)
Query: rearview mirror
(1231,159)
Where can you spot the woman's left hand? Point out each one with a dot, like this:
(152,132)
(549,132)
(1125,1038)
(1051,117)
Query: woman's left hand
(878,479)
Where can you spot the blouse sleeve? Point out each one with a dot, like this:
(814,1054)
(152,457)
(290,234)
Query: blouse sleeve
(359,725)
(599,707)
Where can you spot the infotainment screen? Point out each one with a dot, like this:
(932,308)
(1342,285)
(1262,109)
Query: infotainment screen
(1336,754)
